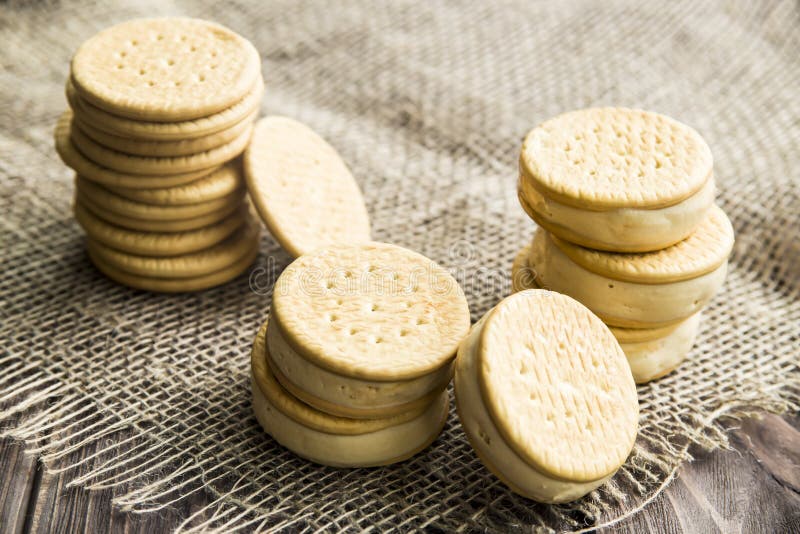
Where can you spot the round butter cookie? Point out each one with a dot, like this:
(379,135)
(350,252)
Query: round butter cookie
(302,189)
(111,202)
(338,441)
(194,265)
(157,244)
(173,285)
(154,225)
(180,147)
(165,69)
(215,185)
(240,113)
(546,396)
(75,160)
(121,162)
(645,290)
(616,179)
(366,330)
(653,354)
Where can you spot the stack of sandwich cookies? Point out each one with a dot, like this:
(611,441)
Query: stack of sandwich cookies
(651,299)
(362,334)
(160,110)
(546,397)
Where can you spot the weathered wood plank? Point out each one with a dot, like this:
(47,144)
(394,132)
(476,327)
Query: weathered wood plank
(57,508)
(732,491)
(17,476)
(750,489)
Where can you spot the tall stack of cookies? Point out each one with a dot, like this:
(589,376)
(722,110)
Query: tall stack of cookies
(352,367)
(624,201)
(160,111)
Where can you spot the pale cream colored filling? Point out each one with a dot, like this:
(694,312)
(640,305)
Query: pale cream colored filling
(490,445)
(381,447)
(627,227)
(351,393)
(623,303)
(651,359)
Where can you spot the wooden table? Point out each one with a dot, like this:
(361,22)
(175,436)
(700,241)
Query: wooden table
(753,488)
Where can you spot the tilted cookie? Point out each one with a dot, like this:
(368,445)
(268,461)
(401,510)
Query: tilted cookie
(218,184)
(193,265)
(366,330)
(652,355)
(165,69)
(645,290)
(546,396)
(157,244)
(75,160)
(180,147)
(174,285)
(338,441)
(239,113)
(120,205)
(616,179)
(302,189)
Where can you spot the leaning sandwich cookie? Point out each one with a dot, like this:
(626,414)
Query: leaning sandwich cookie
(338,441)
(651,352)
(546,396)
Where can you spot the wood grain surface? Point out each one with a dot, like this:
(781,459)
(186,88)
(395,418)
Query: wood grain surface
(754,488)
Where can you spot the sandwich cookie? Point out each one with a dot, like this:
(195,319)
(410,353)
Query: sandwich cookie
(365,330)
(653,353)
(546,397)
(616,179)
(165,69)
(240,113)
(338,441)
(645,290)
(302,189)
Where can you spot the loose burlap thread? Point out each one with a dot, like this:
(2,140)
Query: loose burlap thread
(428,103)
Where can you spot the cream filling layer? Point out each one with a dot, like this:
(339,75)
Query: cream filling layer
(621,303)
(352,394)
(489,444)
(629,227)
(381,447)
(652,359)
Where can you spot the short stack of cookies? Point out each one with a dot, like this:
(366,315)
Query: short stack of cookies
(624,201)
(352,367)
(160,111)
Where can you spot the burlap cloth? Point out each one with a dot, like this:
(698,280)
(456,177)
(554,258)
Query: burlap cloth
(428,103)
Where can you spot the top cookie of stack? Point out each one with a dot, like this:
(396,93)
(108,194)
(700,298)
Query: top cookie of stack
(625,203)
(159,108)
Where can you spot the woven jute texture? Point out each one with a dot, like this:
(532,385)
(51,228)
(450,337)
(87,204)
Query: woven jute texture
(428,103)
